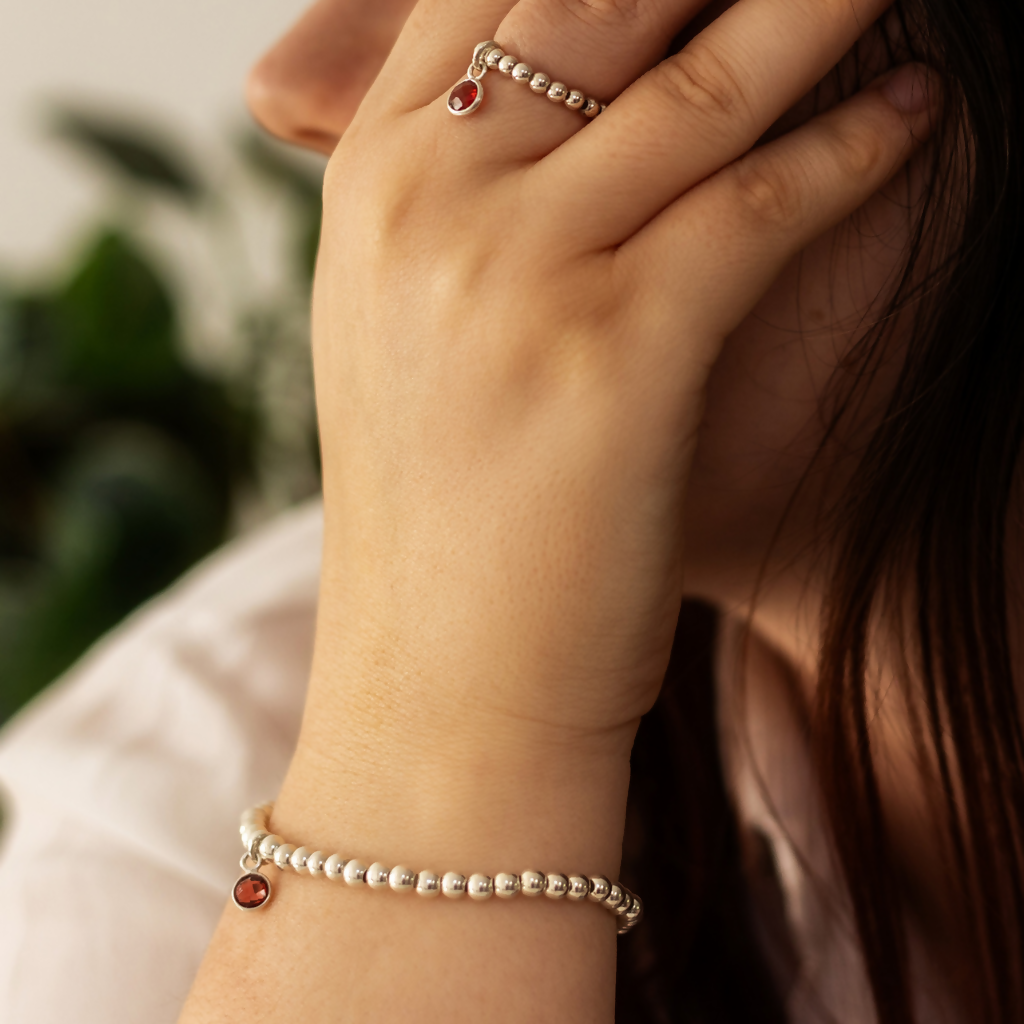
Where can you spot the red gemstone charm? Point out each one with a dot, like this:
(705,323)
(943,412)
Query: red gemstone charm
(252,890)
(465,97)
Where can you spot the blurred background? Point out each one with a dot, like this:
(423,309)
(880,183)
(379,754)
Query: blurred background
(156,252)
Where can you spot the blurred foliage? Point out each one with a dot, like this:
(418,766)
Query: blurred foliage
(122,463)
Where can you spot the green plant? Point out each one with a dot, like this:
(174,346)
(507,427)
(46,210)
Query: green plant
(123,459)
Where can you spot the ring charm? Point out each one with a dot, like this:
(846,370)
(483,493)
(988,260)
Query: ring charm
(468,93)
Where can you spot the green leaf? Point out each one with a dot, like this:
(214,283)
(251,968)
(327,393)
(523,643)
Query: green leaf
(137,153)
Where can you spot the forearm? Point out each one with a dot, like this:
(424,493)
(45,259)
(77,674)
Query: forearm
(401,774)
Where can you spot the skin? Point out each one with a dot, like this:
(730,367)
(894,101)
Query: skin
(564,379)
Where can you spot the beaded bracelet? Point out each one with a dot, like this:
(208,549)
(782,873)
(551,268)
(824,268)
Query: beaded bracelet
(252,890)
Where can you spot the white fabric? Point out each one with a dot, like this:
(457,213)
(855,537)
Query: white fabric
(188,713)
(173,724)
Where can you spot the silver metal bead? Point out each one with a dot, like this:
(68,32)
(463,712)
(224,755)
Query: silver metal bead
(269,846)
(254,816)
(531,883)
(253,836)
(540,82)
(247,832)
(493,56)
(556,887)
(507,63)
(453,885)
(635,914)
(354,873)
(377,875)
(615,896)
(299,857)
(623,908)
(591,108)
(505,885)
(282,855)
(575,99)
(480,887)
(428,884)
(599,889)
(557,92)
(315,863)
(522,72)
(579,887)
(334,868)
(401,879)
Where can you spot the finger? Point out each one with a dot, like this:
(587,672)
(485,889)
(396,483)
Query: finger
(698,110)
(731,236)
(594,46)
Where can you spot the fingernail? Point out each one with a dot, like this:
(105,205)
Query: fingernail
(910,89)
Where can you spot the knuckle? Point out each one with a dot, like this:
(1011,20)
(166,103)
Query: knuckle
(698,78)
(602,13)
(856,153)
(767,193)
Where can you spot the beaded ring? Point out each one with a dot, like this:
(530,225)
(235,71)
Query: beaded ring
(468,93)
(252,889)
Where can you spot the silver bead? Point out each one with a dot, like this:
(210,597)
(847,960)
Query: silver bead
(579,887)
(635,913)
(531,883)
(507,63)
(354,873)
(623,908)
(575,99)
(505,885)
(556,887)
(254,816)
(522,72)
(283,854)
(269,847)
(253,836)
(428,884)
(493,56)
(377,875)
(401,879)
(616,894)
(599,889)
(247,832)
(480,887)
(315,863)
(540,82)
(299,857)
(557,92)
(334,868)
(453,885)
(591,108)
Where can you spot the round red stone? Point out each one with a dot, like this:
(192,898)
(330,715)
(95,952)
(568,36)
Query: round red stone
(251,891)
(463,95)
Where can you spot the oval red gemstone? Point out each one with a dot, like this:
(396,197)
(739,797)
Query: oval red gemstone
(251,891)
(463,95)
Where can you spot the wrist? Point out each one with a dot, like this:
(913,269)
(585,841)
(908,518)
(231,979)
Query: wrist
(389,776)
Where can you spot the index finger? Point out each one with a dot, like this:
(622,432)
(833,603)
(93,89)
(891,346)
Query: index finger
(695,112)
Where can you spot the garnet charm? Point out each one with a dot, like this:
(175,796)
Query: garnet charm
(252,889)
(465,97)
(467,94)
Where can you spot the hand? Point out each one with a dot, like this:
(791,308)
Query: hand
(514,319)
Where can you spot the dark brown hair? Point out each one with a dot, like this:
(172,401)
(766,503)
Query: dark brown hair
(924,533)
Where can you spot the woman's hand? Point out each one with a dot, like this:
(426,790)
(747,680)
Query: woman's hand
(515,316)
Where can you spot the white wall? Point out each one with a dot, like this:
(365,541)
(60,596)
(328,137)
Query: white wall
(183,61)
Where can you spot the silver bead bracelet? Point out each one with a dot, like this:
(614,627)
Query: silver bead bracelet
(252,889)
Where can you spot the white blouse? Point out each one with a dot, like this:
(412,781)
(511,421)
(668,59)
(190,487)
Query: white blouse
(122,784)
